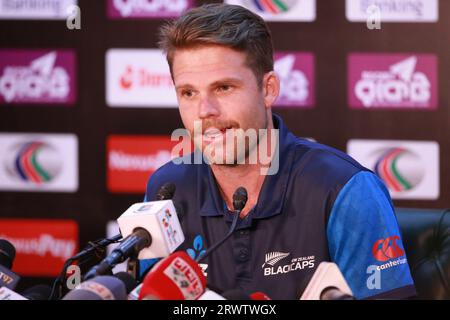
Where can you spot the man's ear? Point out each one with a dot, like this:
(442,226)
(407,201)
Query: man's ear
(271,88)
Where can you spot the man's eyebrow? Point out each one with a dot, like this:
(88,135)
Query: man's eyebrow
(184,86)
(225,81)
(214,84)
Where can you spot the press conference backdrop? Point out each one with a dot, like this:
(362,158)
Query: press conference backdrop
(86,114)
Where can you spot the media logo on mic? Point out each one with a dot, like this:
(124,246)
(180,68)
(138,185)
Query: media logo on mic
(37,77)
(409,169)
(38,162)
(296,73)
(394,81)
(120,9)
(280,10)
(185,278)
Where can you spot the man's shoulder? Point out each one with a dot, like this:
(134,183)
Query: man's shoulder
(316,159)
(177,170)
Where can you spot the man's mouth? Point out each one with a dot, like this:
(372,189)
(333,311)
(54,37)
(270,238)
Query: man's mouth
(215,133)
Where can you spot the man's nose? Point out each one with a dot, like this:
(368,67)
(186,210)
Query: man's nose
(208,108)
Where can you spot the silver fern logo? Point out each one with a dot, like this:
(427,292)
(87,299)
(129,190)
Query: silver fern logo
(273,257)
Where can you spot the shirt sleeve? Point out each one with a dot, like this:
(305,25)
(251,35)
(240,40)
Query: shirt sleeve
(364,240)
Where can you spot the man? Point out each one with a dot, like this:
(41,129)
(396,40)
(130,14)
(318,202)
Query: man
(313,204)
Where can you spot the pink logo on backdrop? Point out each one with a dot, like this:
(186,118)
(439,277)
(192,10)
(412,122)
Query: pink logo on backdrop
(37,76)
(296,72)
(392,81)
(147,8)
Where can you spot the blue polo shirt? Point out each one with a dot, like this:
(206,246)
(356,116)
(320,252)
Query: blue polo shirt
(321,205)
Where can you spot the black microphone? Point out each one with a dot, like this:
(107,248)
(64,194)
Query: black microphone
(135,242)
(166,192)
(240,198)
(128,280)
(7,254)
(38,292)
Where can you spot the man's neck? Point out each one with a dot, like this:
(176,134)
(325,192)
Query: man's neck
(245,175)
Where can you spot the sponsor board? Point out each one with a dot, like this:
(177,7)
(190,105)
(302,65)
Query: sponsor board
(37,76)
(280,10)
(394,81)
(132,160)
(409,169)
(132,9)
(38,162)
(296,73)
(139,78)
(36,9)
(42,246)
(393,10)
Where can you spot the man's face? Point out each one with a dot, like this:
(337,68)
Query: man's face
(217,90)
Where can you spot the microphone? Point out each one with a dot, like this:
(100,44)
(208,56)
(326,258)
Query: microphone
(151,230)
(38,292)
(7,254)
(327,283)
(166,192)
(135,242)
(240,198)
(129,282)
(99,288)
(176,277)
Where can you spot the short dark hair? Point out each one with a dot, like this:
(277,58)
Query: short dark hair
(221,24)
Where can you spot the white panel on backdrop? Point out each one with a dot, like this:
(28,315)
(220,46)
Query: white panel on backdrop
(36,9)
(410,169)
(38,162)
(138,78)
(393,10)
(280,10)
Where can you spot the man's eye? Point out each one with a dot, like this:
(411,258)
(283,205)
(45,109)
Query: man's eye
(187,93)
(224,88)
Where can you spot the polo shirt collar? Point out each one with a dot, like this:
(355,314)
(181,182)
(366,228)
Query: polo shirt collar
(273,191)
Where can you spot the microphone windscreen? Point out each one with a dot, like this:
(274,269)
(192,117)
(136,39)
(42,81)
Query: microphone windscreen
(128,280)
(176,277)
(38,292)
(7,253)
(99,288)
